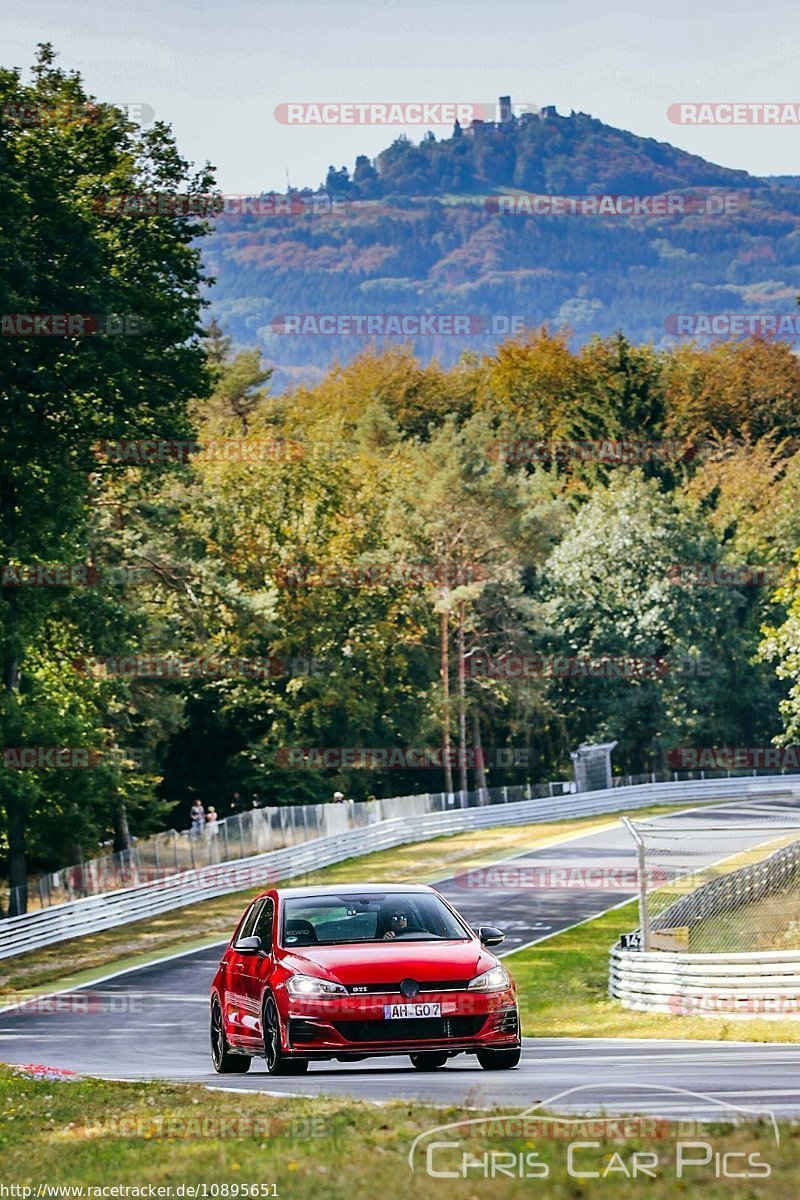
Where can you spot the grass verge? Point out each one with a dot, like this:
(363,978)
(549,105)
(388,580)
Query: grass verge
(98,1134)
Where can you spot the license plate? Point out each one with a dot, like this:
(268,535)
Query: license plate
(404,1011)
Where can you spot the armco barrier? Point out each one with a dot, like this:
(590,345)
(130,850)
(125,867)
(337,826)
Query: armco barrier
(755,984)
(245,834)
(95,913)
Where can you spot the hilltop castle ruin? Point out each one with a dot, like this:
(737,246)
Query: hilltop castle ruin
(507,117)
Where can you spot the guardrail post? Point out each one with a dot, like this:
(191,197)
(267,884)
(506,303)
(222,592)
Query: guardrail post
(644,918)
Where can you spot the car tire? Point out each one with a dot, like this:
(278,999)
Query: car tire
(499,1060)
(224,1062)
(429,1061)
(276,1060)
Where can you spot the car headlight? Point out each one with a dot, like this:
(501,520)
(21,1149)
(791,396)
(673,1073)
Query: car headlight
(494,980)
(308,986)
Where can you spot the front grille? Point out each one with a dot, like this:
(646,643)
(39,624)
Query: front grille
(416,1029)
(384,989)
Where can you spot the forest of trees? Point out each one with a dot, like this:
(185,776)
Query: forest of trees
(371,537)
(439,254)
(553,153)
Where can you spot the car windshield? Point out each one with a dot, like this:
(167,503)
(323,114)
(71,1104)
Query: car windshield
(335,919)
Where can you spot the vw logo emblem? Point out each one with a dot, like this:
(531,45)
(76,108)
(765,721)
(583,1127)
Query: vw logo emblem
(409,987)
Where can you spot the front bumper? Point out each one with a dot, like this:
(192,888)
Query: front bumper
(468,1021)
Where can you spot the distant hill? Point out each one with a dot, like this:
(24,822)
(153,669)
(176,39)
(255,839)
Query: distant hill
(540,153)
(440,228)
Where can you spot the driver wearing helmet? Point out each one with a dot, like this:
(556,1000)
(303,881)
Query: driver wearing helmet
(395,922)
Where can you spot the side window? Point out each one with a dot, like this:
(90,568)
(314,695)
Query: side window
(249,921)
(263,925)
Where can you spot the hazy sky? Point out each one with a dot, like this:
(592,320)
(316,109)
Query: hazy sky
(216,69)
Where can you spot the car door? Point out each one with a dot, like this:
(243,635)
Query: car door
(242,1023)
(258,968)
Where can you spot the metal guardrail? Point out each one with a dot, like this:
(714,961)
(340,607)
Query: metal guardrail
(760,984)
(258,830)
(95,913)
(254,831)
(726,983)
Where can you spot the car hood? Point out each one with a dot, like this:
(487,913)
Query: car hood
(382,962)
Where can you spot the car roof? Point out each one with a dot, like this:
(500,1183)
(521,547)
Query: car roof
(361,889)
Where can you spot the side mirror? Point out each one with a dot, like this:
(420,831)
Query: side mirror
(490,936)
(248,945)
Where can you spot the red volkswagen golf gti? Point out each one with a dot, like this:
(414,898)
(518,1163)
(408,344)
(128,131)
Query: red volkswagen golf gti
(355,971)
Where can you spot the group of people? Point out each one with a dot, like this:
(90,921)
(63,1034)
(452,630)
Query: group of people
(204,821)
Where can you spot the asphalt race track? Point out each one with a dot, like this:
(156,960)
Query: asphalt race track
(153,1022)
